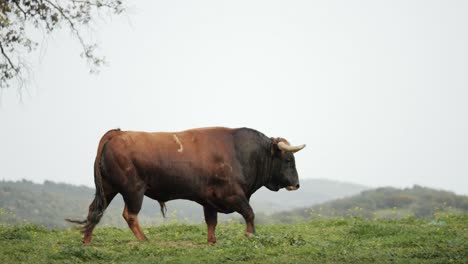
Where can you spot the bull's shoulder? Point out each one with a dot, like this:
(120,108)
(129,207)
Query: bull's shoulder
(249,135)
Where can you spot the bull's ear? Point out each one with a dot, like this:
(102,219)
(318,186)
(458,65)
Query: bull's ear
(274,145)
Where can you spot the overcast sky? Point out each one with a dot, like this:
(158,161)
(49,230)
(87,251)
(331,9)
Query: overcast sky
(378,90)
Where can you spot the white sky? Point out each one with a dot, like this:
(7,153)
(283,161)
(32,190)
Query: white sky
(377,90)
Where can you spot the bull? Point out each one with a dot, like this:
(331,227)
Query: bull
(219,168)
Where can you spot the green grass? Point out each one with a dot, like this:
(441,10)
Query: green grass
(346,240)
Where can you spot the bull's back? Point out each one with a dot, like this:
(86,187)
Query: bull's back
(197,146)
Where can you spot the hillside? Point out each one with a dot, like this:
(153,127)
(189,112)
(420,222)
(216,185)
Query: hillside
(312,191)
(49,203)
(349,240)
(385,202)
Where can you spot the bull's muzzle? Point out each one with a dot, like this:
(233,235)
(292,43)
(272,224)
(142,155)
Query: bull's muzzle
(292,188)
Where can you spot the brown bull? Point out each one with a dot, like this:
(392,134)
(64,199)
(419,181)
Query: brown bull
(219,168)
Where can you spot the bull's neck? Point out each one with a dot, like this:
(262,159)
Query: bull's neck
(263,169)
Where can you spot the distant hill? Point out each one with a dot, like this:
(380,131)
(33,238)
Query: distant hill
(49,203)
(312,191)
(384,202)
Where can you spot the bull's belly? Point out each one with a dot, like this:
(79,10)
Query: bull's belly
(166,193)
(196,194)
(190,184)
(219,206)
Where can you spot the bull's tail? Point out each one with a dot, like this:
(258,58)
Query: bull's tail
(99,204)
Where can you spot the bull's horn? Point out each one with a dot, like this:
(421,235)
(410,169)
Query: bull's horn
(285,147)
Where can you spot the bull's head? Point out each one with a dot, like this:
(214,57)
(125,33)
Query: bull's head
(283,167)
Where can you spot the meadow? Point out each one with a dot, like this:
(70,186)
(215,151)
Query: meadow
(441,239)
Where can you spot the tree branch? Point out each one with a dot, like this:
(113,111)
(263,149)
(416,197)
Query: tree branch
(94,4)
(8,58)
(72,25)
(16,17)
(21,9)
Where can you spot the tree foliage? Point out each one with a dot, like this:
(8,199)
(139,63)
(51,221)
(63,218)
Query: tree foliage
(22,21)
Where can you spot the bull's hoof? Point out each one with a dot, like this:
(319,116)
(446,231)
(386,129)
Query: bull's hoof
(140,240)
(212,242)
(86,243)
(249,235)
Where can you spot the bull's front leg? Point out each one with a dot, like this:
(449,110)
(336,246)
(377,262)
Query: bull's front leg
(211,219)
(249,216)
(243,208)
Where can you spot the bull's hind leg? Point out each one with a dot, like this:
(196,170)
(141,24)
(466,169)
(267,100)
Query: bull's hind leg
(130,214)
(93,219)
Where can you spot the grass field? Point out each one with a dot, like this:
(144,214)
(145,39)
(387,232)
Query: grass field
(347,240)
